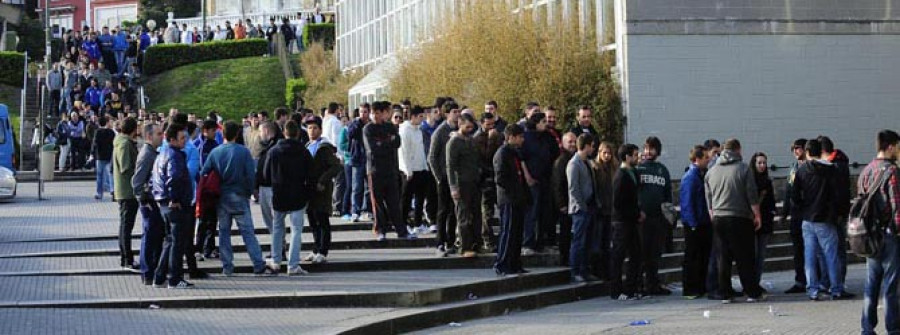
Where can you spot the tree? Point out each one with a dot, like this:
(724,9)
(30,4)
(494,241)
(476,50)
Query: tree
(158,10)
(513,60)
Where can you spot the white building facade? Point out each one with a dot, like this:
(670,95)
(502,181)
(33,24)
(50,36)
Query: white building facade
(370,32)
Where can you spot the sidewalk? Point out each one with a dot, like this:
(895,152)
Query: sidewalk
(794,314)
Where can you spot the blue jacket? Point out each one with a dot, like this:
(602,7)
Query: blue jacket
(694,211)
(145,41)
(105,41)
(92,49)
(119,42)
(205,146)
(170,178)
(235,167)
(94,95)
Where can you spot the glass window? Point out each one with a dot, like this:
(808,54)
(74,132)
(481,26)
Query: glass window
(4,126)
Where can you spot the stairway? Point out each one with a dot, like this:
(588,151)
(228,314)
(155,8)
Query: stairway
(32,108)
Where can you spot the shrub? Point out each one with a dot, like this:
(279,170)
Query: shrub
(325,81)
(320,32)
(163,57)
(11,66)
(294,88)
(514,62)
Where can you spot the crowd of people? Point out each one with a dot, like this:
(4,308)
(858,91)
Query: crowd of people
(98,74)
(484,185)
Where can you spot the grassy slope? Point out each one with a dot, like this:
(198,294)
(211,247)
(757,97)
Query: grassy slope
(232,87)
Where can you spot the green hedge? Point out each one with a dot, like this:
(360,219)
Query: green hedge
(164,57)
(322,32)
(293,89)
(11,66)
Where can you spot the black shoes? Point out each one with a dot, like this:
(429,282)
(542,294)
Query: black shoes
(843,296)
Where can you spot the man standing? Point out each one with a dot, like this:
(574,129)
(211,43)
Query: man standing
(582,207)
(323,167)
(842,185)
(360,199)
(585,123)
(382,140)
(463,174)
(490,107)
(267,141)
(433,120)
(734,207)
(512,198)
(488,139)
(331,131)
(288,166)
(205,244)
(437,160)
(799,151)
(124,156)
(55,85)
(626,220)
(153,224)
(102,149)
(656,190)
(697,225)
(882,277)
(814,192)
(413,166)
(233,164)
(172,192)
(560,185)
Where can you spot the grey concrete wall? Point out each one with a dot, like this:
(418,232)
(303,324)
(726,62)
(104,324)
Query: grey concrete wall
(763,89)
(835,10)
(691,17)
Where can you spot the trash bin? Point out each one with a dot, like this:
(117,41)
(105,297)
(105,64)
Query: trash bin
(48,160)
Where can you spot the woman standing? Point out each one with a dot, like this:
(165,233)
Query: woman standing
(759,163)
(605,167)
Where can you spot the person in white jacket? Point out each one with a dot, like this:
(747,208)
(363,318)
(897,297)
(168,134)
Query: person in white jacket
(331,130)
(413,165)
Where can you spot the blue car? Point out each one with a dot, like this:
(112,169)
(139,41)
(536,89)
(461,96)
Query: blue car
(7,156)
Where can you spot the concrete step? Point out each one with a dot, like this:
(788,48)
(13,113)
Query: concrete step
(327,290)
(403,321)
(338,261)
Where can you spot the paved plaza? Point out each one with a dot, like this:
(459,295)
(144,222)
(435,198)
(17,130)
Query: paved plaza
(59,275)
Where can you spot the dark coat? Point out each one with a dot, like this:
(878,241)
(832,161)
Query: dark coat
(288,167)
(325,167)
(559,182)
(625,201)
(510,179)
(814,191)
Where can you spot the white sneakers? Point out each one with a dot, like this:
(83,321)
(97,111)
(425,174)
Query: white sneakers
(297,271)
(310,257)
(319,259)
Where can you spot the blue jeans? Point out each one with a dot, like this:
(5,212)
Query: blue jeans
(346,204)
(360,190)
(881,281)
(582,223)
(104,177)
(237,208)
(151,239)
(265,205)
(298,218)
(120,61)
(821,238)
(532,216)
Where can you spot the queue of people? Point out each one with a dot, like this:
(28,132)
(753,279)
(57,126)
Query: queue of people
(444,170)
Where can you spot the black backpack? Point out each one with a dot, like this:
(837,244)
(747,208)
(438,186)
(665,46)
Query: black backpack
(866,223)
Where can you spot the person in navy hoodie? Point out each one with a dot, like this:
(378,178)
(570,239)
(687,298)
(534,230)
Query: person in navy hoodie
(697,225)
